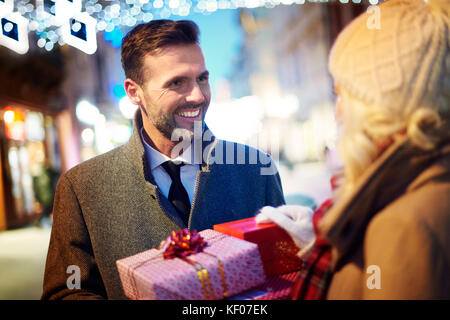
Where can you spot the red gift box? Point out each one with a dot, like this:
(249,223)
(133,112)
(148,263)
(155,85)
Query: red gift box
(278,251)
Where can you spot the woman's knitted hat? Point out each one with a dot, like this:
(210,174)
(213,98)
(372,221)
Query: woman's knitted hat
(397,55)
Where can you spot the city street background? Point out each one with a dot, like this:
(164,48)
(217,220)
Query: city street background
(62,100)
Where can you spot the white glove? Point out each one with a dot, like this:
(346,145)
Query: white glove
(295,220)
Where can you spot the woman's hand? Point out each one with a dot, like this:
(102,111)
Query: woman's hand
(295,220)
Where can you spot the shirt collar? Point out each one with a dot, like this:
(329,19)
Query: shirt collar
(156,158)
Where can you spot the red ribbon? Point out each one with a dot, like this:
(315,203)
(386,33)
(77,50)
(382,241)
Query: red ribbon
(183,243)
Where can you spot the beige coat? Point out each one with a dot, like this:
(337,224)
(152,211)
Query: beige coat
(394,228)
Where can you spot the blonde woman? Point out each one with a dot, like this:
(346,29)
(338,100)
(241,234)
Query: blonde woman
(387,234)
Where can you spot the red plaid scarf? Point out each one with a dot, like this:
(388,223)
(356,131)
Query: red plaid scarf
(312,281)
(314,277)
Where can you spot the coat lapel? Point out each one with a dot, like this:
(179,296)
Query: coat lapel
(135,153)
(199,216)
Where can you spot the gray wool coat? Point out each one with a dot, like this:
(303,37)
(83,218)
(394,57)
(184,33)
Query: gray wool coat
(109,208)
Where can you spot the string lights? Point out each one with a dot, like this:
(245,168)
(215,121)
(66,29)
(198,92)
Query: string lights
(76,22)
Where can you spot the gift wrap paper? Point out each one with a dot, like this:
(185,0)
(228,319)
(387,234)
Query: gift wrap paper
(226,267)
(275,288)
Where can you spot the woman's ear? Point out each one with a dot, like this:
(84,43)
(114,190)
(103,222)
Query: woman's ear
(384,143)
(133,91)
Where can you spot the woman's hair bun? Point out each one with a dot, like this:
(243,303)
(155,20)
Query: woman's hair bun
(421,126)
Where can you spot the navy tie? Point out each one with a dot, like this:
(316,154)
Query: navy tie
(177,193)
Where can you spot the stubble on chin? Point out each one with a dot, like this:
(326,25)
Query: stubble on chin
(165,124)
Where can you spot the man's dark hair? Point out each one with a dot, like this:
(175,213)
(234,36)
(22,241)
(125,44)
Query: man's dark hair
(150,37)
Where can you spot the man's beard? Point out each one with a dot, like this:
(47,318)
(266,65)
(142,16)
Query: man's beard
(165,122)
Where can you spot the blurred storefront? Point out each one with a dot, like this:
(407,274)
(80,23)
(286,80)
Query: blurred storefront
(57,108)
(31,104)
(30,165)
(284,62)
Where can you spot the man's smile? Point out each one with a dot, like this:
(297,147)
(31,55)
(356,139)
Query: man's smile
(189,112)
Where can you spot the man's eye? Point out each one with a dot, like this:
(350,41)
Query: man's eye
(203,79)
(176,83)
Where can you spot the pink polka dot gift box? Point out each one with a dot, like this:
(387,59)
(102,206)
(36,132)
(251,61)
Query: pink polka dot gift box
(207,265)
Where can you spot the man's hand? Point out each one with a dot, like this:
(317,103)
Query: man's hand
(296,220)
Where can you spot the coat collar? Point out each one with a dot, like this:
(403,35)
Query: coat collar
(400,169)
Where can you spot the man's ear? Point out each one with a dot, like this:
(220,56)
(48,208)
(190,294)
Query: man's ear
(133,91)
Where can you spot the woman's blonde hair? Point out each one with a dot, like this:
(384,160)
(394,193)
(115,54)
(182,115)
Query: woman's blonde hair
(394,78)
(367,127)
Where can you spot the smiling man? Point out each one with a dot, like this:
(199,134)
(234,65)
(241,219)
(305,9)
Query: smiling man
(128,200)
